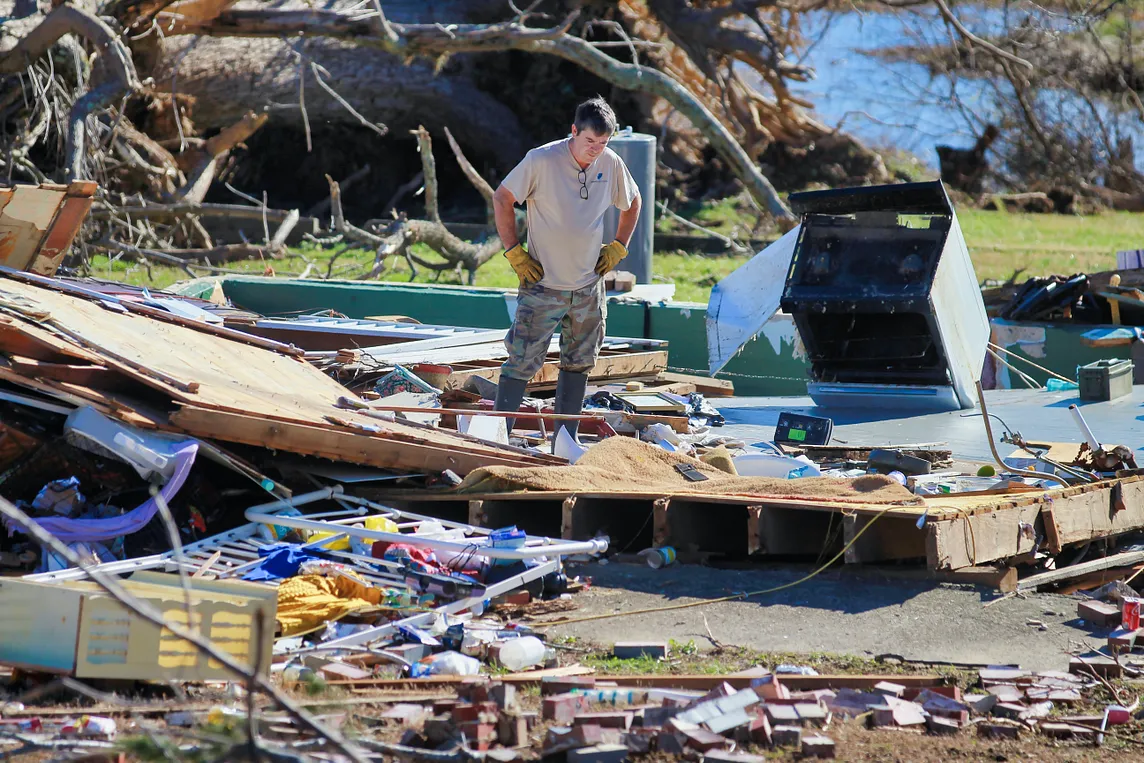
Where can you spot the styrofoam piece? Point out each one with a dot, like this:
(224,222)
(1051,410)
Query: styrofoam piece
(743,302)
(491,428)
(567,446)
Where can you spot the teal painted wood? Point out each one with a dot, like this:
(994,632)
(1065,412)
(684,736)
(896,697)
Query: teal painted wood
(767,366)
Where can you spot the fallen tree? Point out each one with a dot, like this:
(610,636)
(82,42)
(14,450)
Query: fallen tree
(709,77)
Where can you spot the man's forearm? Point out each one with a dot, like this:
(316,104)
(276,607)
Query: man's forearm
(626,225)
(505,216)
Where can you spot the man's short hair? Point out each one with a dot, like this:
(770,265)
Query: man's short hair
(595,115)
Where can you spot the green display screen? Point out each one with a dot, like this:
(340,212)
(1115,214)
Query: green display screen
(798,435)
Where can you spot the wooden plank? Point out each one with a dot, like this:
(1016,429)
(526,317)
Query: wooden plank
(1124,559)
(336,444)
(231,376)
(703,384)
(618,366)
(974,539)
(86,375)
(883,539)
(63,230)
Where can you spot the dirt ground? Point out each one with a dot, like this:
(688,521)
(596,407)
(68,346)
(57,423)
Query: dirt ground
(848,612)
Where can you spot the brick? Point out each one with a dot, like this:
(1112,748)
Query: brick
(757,731)
(504,695)
(445,706)
(587,735)
(850,703)
(631,650)
(339,671)
(704,740)
(770,688)
(669,743)
(897,712)
(785,714)
(658,716)
(637,742)
(787,736)
(614,720)
(603,753)
(1065,731)
(474,689)
(938,725)
(512,729)
(998,730)
(817,746)
(466,712)
(813,714)
(1092,721)
(1010,710)
(890,689)
(438,729)
(1098,613)
(480,736)
(982,704)
(914,694)
(564,684)
(1123,639)
(1097,663)
(1007,693)
(721,724)
(562,708)
(723,756)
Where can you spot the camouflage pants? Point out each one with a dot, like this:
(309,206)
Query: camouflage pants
(580,316)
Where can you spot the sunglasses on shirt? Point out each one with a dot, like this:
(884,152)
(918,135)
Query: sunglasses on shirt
(582,176)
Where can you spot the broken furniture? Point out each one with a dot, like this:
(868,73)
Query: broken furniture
(38,223)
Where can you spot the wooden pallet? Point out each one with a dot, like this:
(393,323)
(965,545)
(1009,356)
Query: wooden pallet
(955,533)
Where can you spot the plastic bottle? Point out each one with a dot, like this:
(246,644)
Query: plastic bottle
(445,664)
(520,653)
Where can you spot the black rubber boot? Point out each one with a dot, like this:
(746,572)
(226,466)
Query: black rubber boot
(510,393)
(570,388)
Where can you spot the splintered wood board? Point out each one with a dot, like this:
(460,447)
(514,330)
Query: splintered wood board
(248,381)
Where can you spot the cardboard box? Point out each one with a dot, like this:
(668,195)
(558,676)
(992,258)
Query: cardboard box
(76,628)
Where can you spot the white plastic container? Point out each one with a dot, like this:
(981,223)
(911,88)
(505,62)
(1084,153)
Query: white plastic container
(768,465)
(446,664)
(520,653)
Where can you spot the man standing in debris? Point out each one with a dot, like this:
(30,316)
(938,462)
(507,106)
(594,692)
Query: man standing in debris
(567,185)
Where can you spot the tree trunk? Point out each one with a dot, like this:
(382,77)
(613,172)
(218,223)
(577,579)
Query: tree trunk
(228,76)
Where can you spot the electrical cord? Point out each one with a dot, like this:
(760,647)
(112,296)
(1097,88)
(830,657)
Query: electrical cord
(733,597)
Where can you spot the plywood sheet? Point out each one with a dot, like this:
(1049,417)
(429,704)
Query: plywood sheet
(224,375)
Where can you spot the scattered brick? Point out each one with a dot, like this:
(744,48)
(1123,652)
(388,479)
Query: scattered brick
(603,753)
(562,708)
(784,714)
(564,684)
(938,725)
(703,740)
(787,736)
(1065,731)
(1098,613)
(890,689)
(817,746)
(614,720)
(669,743)
(999,730)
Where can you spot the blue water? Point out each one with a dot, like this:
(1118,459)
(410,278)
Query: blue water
(899,104)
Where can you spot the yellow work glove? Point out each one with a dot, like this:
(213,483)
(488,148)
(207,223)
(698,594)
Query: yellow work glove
(527,269)
(610,256)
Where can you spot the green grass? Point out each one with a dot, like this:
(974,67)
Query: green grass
(1000,244)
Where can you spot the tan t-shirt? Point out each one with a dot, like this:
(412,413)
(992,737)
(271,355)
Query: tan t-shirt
(565,231)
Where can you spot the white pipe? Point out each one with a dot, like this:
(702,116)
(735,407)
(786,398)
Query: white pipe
(298,500)
(257,514)
(1089,437)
